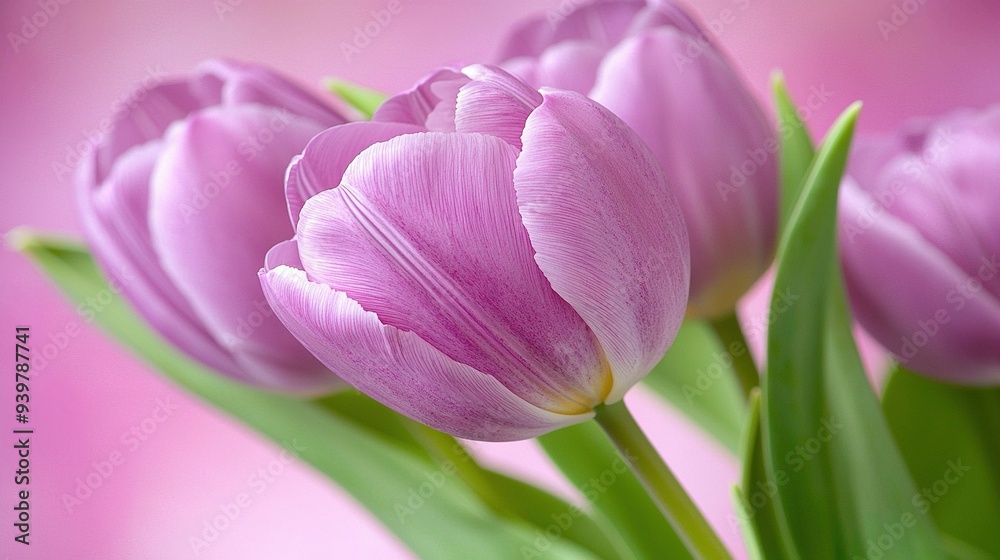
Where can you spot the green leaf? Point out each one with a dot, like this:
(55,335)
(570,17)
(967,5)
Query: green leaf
(695,378)
(369,414)
(550,513)
(448,521)
(942,430)
(361,98)
(755,496)
(847,486)
(518,500)
(590,461)
(797,149)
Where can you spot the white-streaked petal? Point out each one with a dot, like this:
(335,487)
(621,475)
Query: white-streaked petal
(607,232)
(398,368)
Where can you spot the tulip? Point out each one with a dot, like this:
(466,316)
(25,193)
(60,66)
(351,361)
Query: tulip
(495,263)
(653,66)
(182,200)
(920,244)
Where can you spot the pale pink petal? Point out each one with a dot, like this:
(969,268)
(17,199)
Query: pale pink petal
(417,105)
(570,65)
(717,148)
(216,207)
(605,22)
(322,163)
(424,231)
(250,83)
(945,324)
(115,217)
(608,233)
(494,103)
(400,369)
(150,108)
(528,39)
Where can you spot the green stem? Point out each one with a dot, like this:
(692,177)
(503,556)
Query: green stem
(727,328)
(660,483)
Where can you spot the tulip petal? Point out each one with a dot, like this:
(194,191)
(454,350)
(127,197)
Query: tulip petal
(246,83)
(527,39)
(666,13)
(420,104)
(946,187)
(606,228)
(716,147)
(494,103)
(222,171)
(322,163)
(424,231)
(604,22)
(951,324)
(570,65)
(398,368)
(115,214)
(158,105)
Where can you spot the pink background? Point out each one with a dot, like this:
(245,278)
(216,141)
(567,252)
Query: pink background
(66,78)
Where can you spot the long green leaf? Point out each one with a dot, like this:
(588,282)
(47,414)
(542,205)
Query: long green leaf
(755,496)
(424,505)
(950,438)
(696,378)
(797,150)
(847,486)
(518,500)
(584,454)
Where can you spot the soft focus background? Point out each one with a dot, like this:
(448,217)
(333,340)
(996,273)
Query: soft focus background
(57,85)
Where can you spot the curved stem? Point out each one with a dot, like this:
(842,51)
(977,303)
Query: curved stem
(660,483)
(727,328)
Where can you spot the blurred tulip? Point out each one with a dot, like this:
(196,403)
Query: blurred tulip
(183,198)
(496,276)
(920,244)
(652,65)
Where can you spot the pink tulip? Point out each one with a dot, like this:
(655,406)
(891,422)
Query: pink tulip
(653,66)
(495,263)
(921,247)
(183,198)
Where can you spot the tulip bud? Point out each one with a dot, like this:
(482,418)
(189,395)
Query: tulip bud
(920,244)
(651,65)
(509,260)
(182,200)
